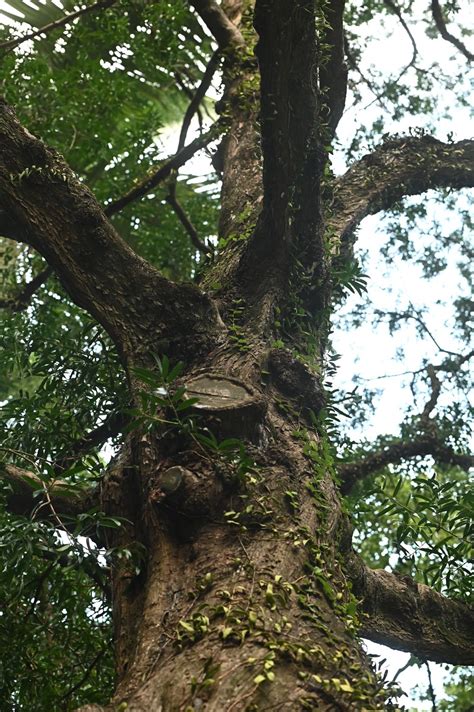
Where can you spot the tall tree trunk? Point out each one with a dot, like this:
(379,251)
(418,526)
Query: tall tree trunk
(238,598)
(242,602)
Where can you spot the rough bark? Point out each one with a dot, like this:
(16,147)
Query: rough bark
(410,616)
(352,472)
(56,214)
(397,168)
(56,498)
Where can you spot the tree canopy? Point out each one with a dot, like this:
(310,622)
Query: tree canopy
(128,97)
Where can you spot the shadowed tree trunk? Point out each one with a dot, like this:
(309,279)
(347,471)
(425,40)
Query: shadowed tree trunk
(248,595)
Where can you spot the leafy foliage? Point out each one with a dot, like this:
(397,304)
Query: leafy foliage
(54,625)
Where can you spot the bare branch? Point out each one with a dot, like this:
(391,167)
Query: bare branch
(412,617)
(416,315)
(352,472)
(66,20)
(396,10)
(193,107)
(434,707)
(226,34)
(449,365)
(186,223)
(22,299)
(444,32)
(26,484)
(164,171)
(85,676)
(397,168)
(378,96)
(433,399)
(198,96)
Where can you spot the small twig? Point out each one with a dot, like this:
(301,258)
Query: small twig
(408,664)
(445,34)
(353,64)
(378,95)
(415,315)
(431,692)
(67,19)
(396,10)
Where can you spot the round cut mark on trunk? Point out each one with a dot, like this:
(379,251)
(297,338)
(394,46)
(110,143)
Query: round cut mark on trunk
(232,407)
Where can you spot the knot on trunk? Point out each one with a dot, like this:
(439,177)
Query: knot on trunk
(294,379)
(186,496)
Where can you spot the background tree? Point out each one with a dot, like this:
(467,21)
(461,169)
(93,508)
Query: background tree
(217,537)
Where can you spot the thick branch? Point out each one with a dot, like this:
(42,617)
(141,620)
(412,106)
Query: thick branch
(22,299)
(164,171)
(66,20)
(413,617)
(444,32)
(56,214)
(397,168)
(333,71)
(223,30)
(57,498)
(293,155)
(352,472)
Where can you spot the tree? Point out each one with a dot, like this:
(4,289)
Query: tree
(229,560)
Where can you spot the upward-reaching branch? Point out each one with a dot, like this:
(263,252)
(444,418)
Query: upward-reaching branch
(56,214)
(333,71)
(158,176)
(397,168)
(293,157)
